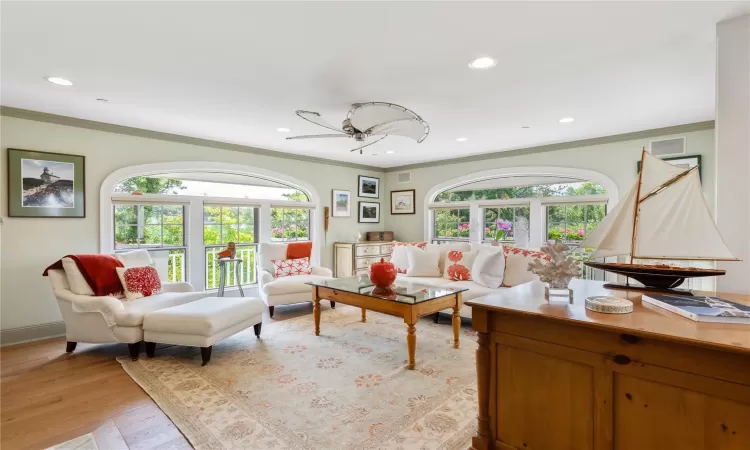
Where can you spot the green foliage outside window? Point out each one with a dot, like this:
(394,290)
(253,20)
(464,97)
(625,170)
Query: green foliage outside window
(452,223)
(542,190)
(291,224)
(572,223)
(509,216)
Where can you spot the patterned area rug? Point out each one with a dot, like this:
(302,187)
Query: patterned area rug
(346,389)
(85,442)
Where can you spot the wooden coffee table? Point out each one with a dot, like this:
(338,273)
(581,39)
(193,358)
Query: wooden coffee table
(409,301)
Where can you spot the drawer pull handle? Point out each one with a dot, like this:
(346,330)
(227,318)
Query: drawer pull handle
(621,359)
(630,339)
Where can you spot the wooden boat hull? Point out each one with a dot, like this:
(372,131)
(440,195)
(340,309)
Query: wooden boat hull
(655,277)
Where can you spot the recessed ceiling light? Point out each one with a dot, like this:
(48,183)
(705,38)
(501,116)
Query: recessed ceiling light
(103,100)
(483,62)
(283,130)
(389,152)
(60,81)
(525,127)
(462,139)
(567,119)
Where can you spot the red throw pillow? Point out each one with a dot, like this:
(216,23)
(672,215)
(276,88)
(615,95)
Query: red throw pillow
(297,250)
(139,282)
(290,267)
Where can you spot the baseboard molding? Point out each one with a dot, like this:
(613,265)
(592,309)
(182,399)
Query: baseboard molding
(31,333)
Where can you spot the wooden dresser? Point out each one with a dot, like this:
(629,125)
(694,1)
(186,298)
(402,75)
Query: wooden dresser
(554,376)
(354,258)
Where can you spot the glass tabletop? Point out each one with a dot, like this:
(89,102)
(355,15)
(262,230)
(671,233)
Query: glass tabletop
(401,291)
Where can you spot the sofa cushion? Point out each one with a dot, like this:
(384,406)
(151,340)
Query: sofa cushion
(459,264)
(204,317)
(474,290)
(517,265)
(489,267)
(77,283)
(429,281)
(139,282)
(134,311)
(422,263)
(399,256)
(136,258)
(445,248)
(292,285)
(291,267)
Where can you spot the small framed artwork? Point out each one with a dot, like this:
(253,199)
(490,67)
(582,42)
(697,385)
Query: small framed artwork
(342,203)
(685,162)
(369,212)
(42,184)
(369,187)
(402,202)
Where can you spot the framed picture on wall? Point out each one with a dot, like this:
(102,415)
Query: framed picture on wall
(369,212)
(402,202)
(685,162)
(341,204)
(43,184)
(369,187)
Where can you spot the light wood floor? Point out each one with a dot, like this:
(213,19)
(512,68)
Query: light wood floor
(49,397)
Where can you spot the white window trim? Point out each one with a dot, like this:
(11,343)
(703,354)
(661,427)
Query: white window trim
(536,227)
(194,240)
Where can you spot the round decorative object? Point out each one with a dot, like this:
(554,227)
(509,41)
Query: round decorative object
(382,274)
(384,292)
(609,305)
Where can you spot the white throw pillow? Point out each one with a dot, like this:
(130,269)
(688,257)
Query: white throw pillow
(400,259)
(422,263)
(136,258)
(458,265)
(78,284)
(489,267)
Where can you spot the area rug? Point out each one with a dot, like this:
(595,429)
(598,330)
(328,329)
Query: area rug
(85,442)
(345,389)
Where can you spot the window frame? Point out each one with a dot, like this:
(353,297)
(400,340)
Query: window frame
(514,205)
(283,208)
(435,238)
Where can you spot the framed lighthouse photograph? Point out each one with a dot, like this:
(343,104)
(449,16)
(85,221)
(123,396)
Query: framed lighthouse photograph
(43,184)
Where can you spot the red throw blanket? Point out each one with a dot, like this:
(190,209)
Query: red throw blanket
(99,271)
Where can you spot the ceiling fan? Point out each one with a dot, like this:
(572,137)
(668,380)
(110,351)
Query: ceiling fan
(371,119)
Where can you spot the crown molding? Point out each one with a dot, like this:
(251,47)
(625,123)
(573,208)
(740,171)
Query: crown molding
(38,116)
(149,134)
(644,134)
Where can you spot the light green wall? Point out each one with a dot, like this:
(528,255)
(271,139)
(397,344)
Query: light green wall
(616,160)
(30,245)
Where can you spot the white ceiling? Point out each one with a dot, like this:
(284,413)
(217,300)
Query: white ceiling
(234,72)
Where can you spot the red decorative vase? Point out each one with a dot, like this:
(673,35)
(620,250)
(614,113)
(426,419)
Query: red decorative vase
(382,274)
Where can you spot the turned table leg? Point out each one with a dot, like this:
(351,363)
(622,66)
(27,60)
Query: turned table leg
(316,310)
(411,343)
(364,315)
(456,326)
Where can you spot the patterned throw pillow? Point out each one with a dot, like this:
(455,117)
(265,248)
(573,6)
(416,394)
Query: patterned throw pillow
(291,267)
(399,257)
(138,282)
(458,266)
(517,265)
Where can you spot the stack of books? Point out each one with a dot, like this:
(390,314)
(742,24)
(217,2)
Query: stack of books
(702,308)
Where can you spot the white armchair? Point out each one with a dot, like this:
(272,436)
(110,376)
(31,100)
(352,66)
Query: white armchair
(99,320)
(284,290)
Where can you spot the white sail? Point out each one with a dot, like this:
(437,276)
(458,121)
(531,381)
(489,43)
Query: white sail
(655,173)
(614,235)
(675,223)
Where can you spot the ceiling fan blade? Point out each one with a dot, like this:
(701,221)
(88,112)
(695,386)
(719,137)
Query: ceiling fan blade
(366,115)
(317,136)
(315,118)
(367,145)
(414,128)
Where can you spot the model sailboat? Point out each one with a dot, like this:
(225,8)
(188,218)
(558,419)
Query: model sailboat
(664,216)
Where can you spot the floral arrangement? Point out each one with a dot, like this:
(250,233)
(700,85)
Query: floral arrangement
(559,270)
(504,228)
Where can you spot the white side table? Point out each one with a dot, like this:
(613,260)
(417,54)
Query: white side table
(223,262)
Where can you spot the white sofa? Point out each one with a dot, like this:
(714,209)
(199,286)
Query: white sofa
(100,320)
(284,290)
(475,290)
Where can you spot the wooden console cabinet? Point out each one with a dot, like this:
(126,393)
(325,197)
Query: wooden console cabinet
(354,258)
(555,376)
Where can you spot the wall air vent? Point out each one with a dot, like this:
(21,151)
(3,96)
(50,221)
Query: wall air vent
(668,147)
(404,177)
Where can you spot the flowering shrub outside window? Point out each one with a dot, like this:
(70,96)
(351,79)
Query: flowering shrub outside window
(572,223)
(452,224)
(499,222)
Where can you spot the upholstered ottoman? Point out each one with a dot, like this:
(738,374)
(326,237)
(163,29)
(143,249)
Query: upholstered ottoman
(202,323)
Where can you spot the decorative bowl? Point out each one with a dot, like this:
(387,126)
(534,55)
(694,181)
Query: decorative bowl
(383,273)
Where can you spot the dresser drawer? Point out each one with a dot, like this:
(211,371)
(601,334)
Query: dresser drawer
(368,250)
(364,263)
(386,249)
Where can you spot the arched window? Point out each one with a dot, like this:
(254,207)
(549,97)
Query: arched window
(185,216)
(518,207)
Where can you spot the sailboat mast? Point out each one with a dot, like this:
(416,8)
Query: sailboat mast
(637,202)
